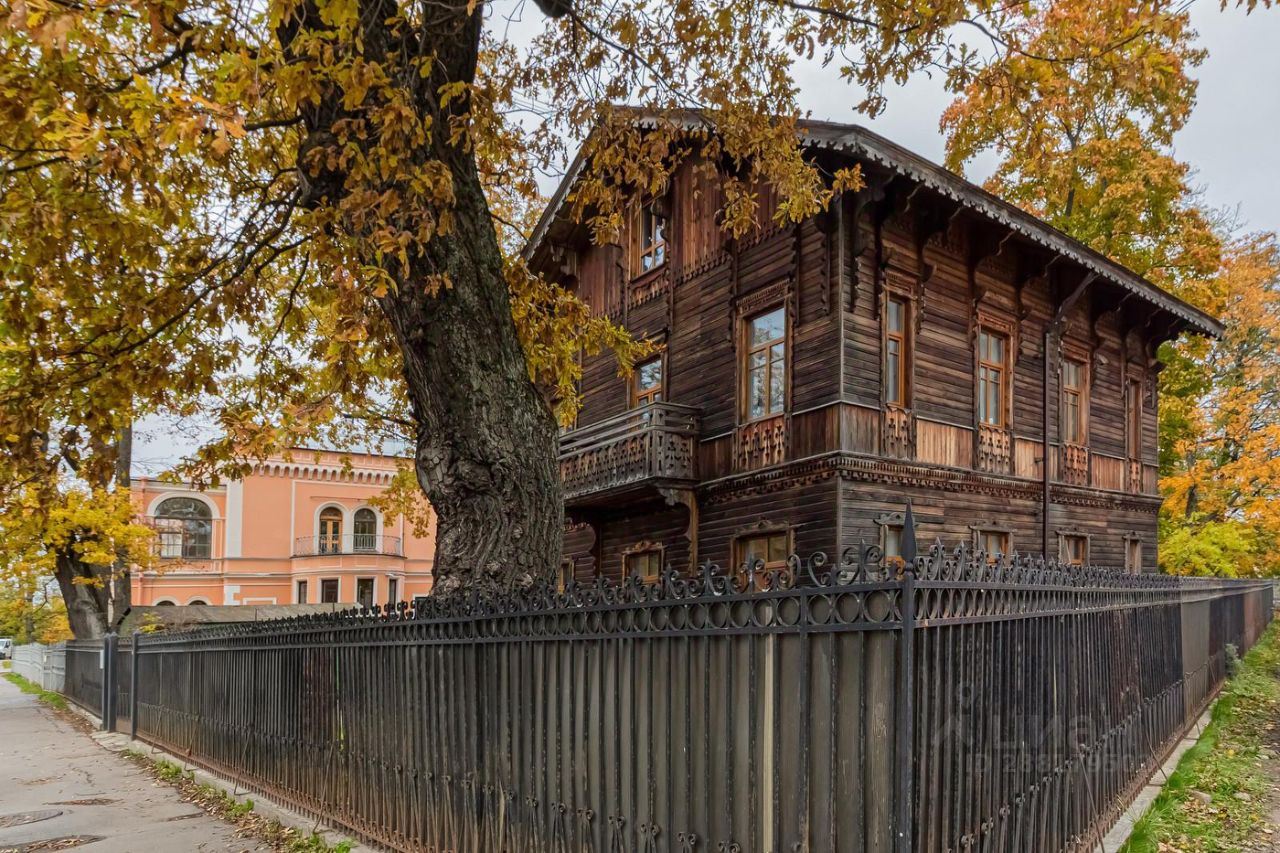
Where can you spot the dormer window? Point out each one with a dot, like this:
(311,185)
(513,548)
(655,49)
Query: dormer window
(653,241)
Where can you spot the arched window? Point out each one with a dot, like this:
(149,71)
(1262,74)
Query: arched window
(330,530)
(185,526)
(164,604)
(365,526)
(198,602)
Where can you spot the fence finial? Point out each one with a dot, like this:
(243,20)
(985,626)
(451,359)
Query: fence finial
(908,544)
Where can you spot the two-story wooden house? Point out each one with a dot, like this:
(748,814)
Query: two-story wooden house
(918,340)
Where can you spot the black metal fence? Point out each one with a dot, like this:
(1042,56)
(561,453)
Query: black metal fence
(849,707)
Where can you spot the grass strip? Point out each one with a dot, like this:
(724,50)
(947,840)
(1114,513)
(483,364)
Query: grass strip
(1219,796)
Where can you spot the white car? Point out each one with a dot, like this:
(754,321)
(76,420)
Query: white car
(6,648)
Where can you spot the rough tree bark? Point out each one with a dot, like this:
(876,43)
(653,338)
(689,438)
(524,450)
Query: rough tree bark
(88,601)
(486,440)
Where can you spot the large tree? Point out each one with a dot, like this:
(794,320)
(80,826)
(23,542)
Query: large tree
(294,212)
(1086,142)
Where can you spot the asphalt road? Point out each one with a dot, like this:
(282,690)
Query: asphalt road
(57,783)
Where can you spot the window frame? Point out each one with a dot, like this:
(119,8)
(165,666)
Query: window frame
(337,590)
(647,550)
(301,591)
(1134,417)
(651,243)
(984,530)
(744,363)
(895,521)
(1132,566)
(904,339)
(653,394)
(393,591)
(329,542)
(986,330)
(373,591)
(1081,393)
(740,548)
(1068,536)
(359,539)
(184,536)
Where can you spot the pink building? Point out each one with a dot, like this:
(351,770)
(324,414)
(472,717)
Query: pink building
(299,531)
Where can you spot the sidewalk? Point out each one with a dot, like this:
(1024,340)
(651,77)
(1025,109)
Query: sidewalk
(49,769)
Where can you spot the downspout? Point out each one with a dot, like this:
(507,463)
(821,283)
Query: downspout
(1051,333)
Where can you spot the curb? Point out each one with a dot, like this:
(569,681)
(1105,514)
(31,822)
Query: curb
(119,743)
(1120,831)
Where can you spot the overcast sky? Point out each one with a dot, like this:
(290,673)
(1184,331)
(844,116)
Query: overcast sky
(1232,141)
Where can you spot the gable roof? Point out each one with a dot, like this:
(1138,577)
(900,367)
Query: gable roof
(865,145)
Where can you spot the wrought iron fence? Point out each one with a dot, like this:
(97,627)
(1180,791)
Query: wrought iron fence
(845,706)
(84,674)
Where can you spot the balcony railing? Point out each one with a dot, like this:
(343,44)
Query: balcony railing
(347,543)
(655,444)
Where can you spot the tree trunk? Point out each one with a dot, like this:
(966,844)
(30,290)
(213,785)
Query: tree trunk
(86,601)
(486,452)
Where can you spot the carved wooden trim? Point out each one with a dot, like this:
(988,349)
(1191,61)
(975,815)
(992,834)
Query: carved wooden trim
(1075,464)
(995,449)
(761,443)
(898,433)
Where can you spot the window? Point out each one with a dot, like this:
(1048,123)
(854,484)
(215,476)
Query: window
(393,591)
(330,540)
(897,355)
(994,543)
(565,575)
(645,564)
(329,591)
(164,604)
(653,242)
(1075,402)
(300,589)
(419,601)
(1133,418)
(365,530)
(767,548)
(1133,555)
(891,543)
(364,592)
(993,380)
(646,383)
(1073,549)
(185,529)
(766,368)
(197,602)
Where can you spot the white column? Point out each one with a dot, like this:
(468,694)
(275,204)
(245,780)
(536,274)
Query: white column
(235,518)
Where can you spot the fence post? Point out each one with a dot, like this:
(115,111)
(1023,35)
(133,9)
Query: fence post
(903,757)
(109,683)
(133,685)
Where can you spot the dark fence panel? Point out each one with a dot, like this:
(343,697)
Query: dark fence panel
(84,674)
(1044,700)
(690,716)
(738,714)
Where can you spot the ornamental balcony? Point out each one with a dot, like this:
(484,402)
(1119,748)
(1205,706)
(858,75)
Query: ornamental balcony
(648,448)
(341,544)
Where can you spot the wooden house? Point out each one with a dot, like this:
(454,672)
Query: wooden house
(814,377)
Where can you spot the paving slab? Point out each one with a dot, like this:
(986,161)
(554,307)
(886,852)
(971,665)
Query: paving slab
(52,771)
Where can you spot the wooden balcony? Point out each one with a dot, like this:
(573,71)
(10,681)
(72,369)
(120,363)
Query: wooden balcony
(647,448)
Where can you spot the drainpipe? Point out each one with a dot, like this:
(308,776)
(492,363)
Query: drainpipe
(1051,334)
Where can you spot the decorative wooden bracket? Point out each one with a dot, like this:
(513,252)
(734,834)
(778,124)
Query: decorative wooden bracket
(689,500)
